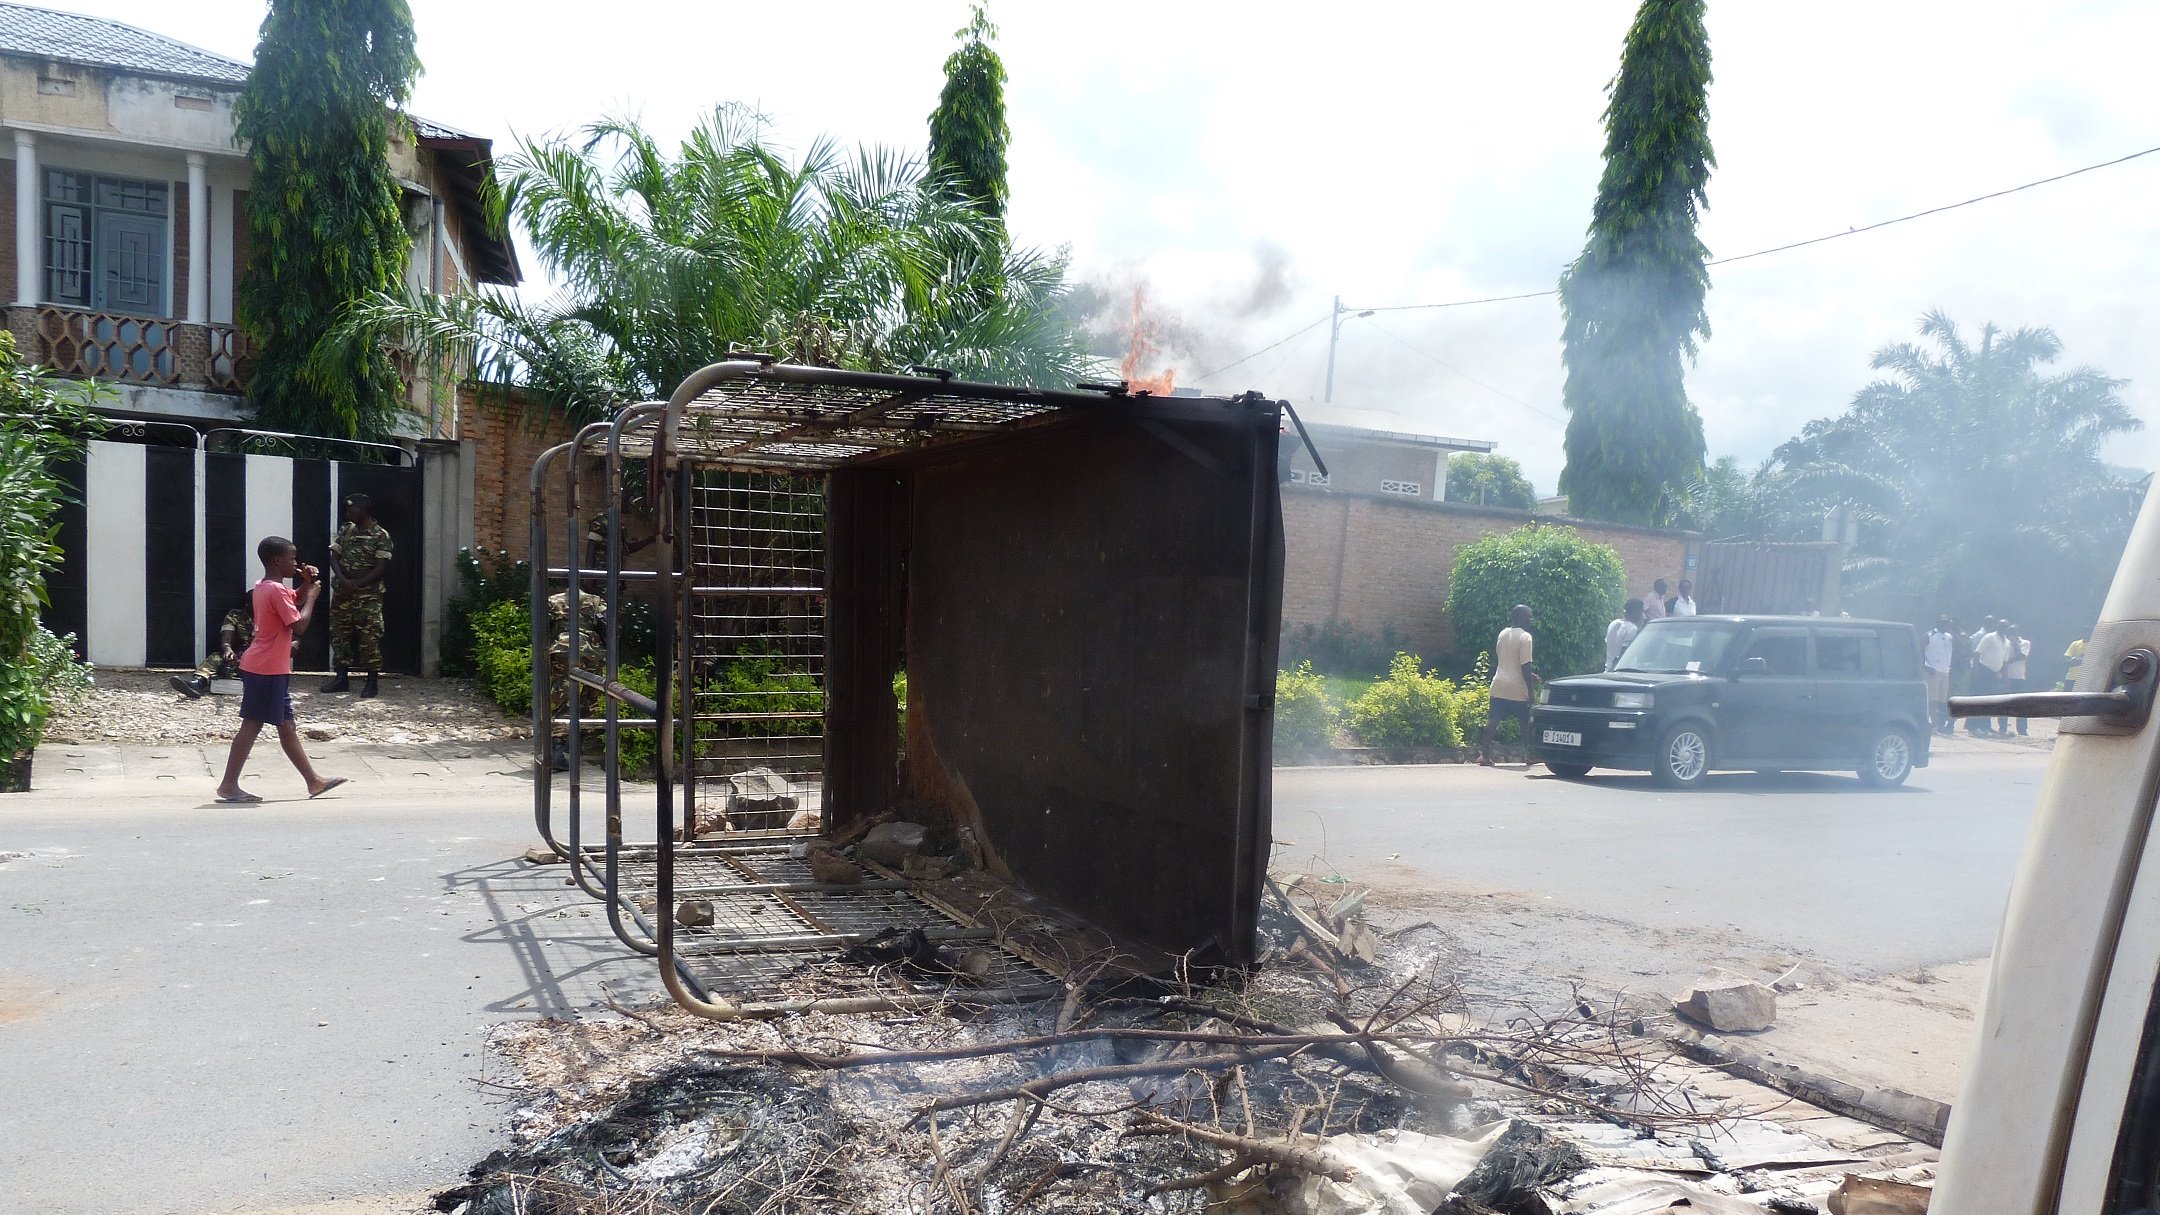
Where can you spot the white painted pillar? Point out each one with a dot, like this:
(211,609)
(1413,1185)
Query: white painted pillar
(29,206)
(198,238)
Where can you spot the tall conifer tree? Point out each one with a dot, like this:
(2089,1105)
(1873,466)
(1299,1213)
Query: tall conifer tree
(323,208)
(1633,302)
(968,135)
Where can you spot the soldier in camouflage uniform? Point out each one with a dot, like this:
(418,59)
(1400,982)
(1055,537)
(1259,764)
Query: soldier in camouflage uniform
(359,560)
(591,648)
(234,634)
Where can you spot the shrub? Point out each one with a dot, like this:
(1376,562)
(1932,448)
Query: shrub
(42,424)
(1412,707)
(485,578)
(1575,587)
(1473,700)
(1305,715)
(502,655)
(636,747)
(1338,648)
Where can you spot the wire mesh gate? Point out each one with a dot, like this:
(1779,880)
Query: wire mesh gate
(722,895)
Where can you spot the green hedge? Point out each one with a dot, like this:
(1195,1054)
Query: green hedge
(1305,715)
(502,655)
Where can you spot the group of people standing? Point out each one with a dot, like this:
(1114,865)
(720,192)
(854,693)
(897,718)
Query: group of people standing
(1656,605)
(1991,660)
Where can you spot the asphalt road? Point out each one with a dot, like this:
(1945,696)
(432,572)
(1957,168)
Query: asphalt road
(1624,880)
(205,1009)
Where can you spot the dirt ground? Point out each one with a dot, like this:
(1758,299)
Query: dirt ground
(137,706)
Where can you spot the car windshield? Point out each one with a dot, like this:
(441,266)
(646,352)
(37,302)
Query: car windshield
(1677,646)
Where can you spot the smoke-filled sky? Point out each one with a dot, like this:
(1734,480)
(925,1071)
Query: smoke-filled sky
(1248,162)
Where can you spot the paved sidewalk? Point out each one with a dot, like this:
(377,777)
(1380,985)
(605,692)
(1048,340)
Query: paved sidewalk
(188,773)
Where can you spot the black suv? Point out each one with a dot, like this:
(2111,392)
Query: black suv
(1766,693)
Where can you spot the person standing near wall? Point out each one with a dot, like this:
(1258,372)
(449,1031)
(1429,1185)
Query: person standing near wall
(1683,604)
(1513,679)
(1653,604)
(1935,662)
(1622,631)
(359,561)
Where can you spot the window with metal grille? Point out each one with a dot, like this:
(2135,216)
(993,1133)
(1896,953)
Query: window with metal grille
(105,242)
(1410,488)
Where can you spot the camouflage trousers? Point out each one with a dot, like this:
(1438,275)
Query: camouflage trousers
(356,627)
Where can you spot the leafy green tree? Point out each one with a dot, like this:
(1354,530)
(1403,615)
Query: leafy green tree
(668,262)
(42,423)
(1574,585)
(1632,304)
(1977,479)
(1483,479)
(323,208)
(1728,502)
(968,134)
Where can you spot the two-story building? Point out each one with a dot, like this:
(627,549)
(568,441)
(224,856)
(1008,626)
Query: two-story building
(123,235)
(125,194)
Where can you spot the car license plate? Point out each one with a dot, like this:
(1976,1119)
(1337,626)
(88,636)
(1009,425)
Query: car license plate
(1563,738)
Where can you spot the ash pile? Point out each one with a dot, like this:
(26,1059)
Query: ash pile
(1344,1074)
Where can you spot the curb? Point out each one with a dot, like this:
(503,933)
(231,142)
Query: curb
(1908,1114)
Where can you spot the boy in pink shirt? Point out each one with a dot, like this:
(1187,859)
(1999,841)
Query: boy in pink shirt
(266,668)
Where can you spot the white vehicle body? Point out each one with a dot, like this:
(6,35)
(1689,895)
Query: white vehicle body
(2057,1110)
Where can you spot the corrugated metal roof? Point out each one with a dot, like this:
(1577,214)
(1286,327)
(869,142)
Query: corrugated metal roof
(96,42)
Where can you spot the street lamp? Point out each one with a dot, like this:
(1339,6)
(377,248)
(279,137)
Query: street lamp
(1335,320)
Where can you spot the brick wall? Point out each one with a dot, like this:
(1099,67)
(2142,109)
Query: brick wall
(1375,562)
(507,435)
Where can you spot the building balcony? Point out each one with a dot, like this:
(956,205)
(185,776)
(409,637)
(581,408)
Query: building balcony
(156,352)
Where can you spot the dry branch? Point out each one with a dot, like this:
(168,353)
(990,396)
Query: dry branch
(1118,1071)
(1305,1153)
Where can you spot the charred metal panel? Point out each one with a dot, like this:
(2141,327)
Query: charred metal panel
(1091,655)
(865,553)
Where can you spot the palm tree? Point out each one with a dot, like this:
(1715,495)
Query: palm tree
(668,263)
(1976,476)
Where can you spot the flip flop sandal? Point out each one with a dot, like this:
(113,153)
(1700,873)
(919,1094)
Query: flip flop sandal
(328,785)
(239,799)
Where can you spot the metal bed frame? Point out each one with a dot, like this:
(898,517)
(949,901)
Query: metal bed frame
(734,467)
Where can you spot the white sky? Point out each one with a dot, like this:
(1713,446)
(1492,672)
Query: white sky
(1405,153)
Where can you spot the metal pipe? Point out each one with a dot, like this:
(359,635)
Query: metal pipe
(795,887)
(542,685)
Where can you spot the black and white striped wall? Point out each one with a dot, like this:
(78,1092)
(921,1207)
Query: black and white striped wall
(160,542)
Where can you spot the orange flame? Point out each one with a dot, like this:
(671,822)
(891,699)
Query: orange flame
(1145,346)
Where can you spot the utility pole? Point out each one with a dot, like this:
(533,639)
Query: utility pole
(1334,336)
(1335,320)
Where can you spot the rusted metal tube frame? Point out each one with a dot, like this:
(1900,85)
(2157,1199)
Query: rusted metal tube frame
(583,874)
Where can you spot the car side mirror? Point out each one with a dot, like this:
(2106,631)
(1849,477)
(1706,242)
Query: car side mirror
(1754,666)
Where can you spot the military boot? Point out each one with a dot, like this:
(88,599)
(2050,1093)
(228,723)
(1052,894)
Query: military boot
(370,690)
(343,682)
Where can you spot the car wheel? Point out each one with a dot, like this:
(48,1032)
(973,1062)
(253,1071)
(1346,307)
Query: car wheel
(1889,760)
(1570,771)
(1683,757)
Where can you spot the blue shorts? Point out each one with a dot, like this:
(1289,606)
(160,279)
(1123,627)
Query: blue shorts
(265,698)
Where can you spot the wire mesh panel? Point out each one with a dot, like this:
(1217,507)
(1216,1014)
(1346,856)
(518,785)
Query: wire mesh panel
(755,670)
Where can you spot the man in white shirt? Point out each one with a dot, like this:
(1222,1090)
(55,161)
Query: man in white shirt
(1935,661)
(2016,651)
(1989,655)
(1653,606)
(1513,678)
(1622,631)
(1684,603)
